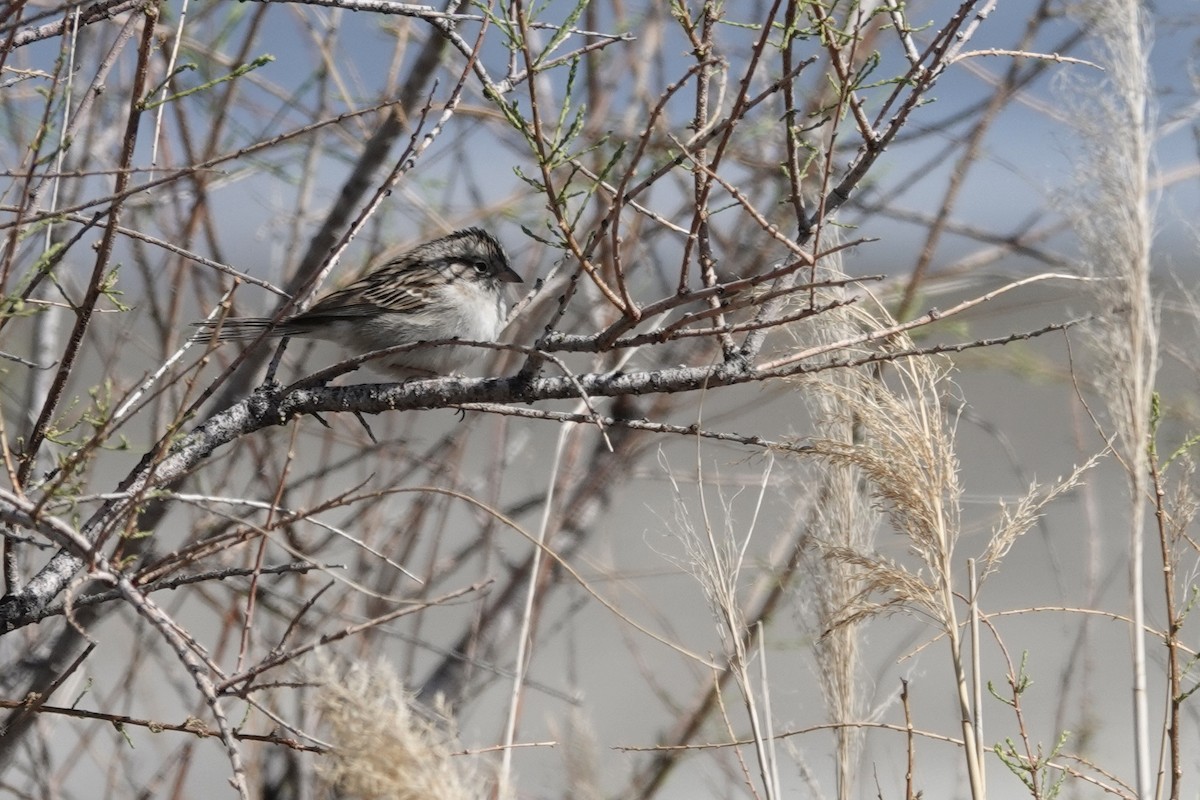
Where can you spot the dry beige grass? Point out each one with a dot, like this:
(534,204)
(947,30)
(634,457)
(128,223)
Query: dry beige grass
(382,748)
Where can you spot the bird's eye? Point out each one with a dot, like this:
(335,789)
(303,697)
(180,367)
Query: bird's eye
(480,267)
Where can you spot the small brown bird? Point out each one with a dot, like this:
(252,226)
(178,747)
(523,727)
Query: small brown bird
(450,288)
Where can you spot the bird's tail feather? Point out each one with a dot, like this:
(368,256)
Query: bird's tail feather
(241,329)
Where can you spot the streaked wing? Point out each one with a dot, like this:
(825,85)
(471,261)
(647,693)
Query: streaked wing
(403,291)
(390,288)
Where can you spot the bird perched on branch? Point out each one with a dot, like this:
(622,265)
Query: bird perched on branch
(450,288)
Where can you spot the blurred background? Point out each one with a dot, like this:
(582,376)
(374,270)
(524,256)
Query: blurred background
(262,133)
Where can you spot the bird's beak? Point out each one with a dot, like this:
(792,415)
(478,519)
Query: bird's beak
(508,276)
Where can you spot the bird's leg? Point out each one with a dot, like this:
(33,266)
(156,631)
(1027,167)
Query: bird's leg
(275,359)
